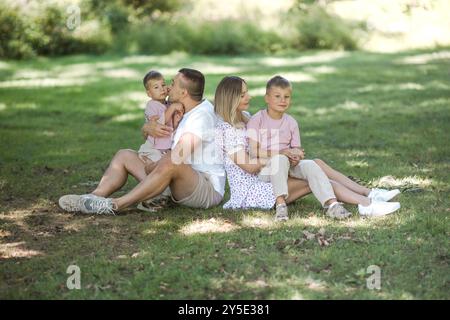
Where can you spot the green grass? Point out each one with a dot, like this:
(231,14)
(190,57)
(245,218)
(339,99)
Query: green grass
(369,115)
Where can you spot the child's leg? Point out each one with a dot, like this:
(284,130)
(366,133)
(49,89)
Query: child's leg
(276,172)
(348,196)
(342,179)
(318,181)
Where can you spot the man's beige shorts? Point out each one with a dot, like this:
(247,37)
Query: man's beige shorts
(204,195)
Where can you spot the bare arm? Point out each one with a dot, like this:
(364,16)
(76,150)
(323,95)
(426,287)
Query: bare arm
(175,107)
(257,152)
(155,129)
(242,159)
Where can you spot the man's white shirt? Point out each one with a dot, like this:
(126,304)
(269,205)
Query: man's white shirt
(201,122)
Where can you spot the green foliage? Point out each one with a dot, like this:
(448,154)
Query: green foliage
(141,26)
(222,37)
(14,38)
(317,29)
(45,32)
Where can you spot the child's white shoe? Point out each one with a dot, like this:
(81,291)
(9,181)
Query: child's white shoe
(378,209)
(382,194)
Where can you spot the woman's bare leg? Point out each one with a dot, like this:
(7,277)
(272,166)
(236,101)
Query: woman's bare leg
(342,179)
(297,189)
(123,163)
(346,195)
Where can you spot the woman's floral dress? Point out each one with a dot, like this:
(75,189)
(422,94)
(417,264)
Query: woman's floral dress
(247,191)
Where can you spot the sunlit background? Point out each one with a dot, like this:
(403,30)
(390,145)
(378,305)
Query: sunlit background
(30,28)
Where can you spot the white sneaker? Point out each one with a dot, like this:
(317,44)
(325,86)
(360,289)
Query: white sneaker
(70,202)
(378,209)
(94,204)
(383,194)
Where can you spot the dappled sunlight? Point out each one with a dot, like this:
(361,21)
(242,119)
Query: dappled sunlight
(122,73)
(262,222)
(126,117)
(321,70)
(310,221)
(211,68)
(46,82)
(47,133)
(2,106)
(346,106)
(391,87)
(25,106)
(357,163)
(356,153)
(31,74)
(212,225)
(16,250)
(425,58)
(435,102)
(391,181)
(168,59)
(321,57)
(291,76)
(4,65)
(257,92)
(137,99)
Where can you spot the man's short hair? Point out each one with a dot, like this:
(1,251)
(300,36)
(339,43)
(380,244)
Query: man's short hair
(194,83)
(151,75)
(278,81)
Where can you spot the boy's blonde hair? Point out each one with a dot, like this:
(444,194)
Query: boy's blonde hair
(227,98)
(278,81)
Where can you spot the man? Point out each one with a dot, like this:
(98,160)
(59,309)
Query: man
(192,170)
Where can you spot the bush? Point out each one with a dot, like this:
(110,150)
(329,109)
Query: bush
(223,37)
(44,32)
(317,29)
(14,39)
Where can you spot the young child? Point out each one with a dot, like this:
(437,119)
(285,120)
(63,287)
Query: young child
(154,148)
(275,135)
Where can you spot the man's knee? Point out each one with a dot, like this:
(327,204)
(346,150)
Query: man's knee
(165,165)
(124,154)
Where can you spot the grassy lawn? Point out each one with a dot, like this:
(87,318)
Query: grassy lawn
(383,119)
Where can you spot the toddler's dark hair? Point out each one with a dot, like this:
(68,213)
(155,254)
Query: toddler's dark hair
(151,75)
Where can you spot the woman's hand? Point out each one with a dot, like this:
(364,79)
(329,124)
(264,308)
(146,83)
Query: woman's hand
(155,129)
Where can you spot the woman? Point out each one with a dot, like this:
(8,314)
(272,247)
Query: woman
(247,191)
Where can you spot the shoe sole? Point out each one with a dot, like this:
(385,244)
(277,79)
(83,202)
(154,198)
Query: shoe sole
(383,214)
(70,203)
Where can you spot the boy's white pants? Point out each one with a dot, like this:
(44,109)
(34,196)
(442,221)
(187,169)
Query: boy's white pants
(278,169)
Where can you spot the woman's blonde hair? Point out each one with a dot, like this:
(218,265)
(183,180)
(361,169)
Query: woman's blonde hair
(227,98)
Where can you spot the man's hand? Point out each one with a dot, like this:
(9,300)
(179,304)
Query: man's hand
(155,129)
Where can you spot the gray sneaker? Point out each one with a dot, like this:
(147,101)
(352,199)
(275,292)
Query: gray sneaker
(70,202)
(95,204)
(337,211)
(281,212)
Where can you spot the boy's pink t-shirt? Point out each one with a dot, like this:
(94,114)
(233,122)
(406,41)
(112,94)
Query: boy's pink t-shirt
(274,135)
(156,108)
